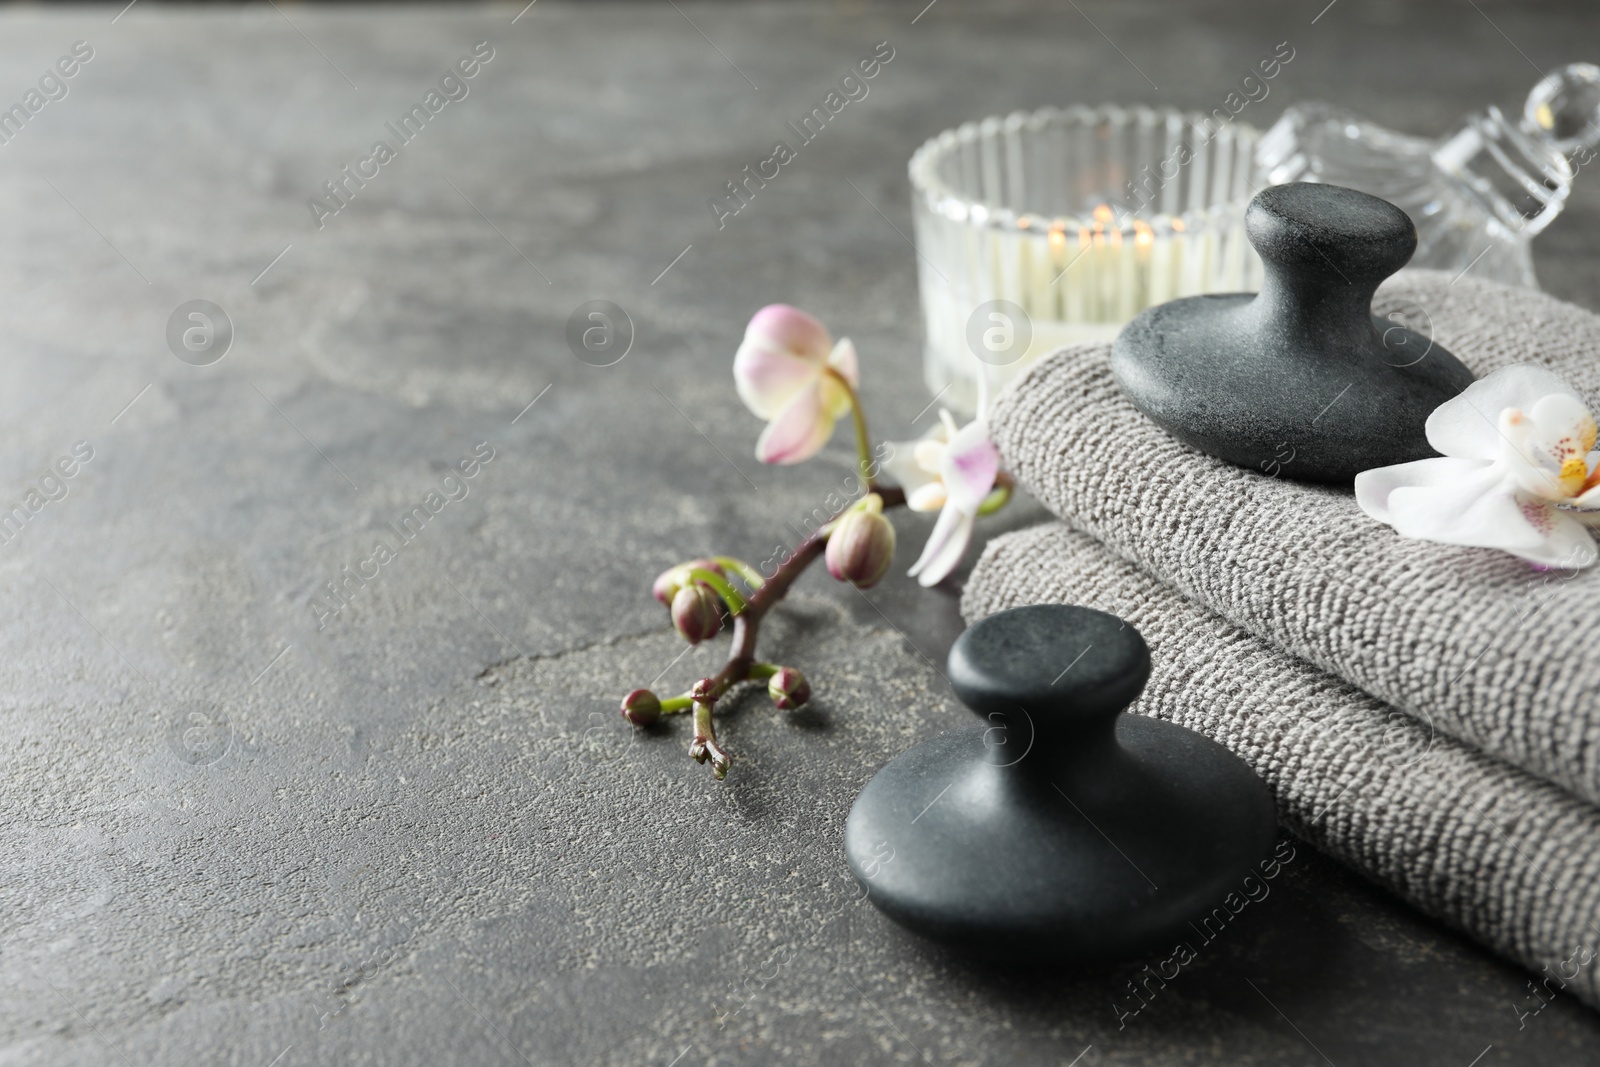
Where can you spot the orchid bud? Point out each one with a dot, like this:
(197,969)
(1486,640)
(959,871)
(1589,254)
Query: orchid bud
(861,546)
(672,579)
(697,613)
(641,707)
(669,581)
(788,688)
(667,584)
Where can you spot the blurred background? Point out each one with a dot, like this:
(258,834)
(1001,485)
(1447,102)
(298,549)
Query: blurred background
(257,812)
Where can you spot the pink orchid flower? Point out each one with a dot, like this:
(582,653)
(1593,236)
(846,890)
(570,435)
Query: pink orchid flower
(1517,472)
(788,371)
(951,471)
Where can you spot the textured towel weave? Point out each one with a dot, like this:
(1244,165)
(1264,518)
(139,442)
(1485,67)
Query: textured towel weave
(1504,856)
(1472,641)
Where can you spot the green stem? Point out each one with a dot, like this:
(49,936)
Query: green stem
(863,438)
(674,705)
(762,670)
(751,576)
(720,584)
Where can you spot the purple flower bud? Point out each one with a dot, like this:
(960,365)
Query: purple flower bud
(861,548)
(667,584)
(788,688)
(669,581)
(697,613)
(641,707)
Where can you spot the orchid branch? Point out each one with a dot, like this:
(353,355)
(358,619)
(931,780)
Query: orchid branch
(783,683)
(790,372)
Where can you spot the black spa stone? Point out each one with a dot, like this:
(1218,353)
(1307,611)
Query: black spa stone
(1059,830)
(1301,379)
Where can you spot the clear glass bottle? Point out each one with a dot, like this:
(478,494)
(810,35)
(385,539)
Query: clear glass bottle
(1477,196)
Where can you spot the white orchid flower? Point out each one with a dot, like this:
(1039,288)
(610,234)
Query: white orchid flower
(789,372)
(1518,472)
(951,471)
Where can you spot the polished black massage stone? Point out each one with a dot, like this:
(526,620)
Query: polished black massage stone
(1300,379)
(1059,831)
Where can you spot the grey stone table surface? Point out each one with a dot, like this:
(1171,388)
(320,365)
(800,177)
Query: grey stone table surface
(240,828)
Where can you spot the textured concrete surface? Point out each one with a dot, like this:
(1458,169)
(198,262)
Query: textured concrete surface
(421,834)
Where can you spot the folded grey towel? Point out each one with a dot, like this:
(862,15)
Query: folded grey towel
(1504,856)
(1472,641)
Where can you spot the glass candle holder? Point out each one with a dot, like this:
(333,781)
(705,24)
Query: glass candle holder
(1048,228)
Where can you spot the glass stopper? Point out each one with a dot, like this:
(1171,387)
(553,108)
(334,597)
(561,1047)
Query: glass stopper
(1564,107)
